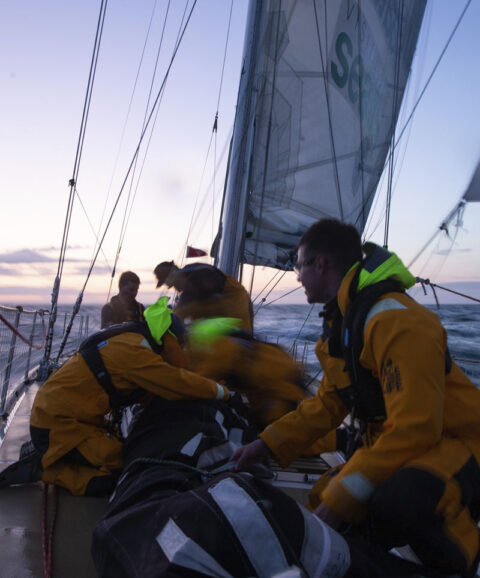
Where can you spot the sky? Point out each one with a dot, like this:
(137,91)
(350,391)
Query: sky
(46,49)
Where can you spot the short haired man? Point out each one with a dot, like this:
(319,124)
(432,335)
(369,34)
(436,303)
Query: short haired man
(416,480)
(124,306)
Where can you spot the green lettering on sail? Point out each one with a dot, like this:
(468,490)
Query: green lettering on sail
(349,70)
(342,44)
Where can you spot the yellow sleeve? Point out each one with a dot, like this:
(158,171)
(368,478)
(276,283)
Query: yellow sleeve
(406,350)
(148,370)
(292,435)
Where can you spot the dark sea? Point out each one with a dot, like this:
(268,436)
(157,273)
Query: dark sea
(288,324)
(297,328)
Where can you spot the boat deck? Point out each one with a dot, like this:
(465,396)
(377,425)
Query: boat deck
(21,515)
(22,510)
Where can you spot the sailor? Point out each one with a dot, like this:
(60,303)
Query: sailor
(205,292)
(266,374)
(79,448)
(124,306)
(416,479)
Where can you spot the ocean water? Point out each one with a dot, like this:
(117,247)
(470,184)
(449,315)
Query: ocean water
(296,328)
(287,324)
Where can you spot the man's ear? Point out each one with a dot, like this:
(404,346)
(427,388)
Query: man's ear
(321,262)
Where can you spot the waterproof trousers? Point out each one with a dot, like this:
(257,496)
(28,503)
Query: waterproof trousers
(89,469)
(432,504)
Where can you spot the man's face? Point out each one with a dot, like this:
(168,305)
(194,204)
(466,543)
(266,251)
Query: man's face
(128,291)
(309,269)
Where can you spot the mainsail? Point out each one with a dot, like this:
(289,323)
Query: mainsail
(318,104)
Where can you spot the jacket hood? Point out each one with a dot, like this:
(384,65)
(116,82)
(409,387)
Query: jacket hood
(379,265)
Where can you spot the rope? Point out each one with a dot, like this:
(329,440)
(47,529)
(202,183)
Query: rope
(284,295)
(125,180)
(22,337)
(392,149)
(180,465)
(466,360)
(213,137)
(329,115)
(73,181)
(47,541)
(129,203)
(303,325)
(425,282)
(262,302)
(442,54)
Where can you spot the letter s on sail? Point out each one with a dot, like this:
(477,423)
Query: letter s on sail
(342,45)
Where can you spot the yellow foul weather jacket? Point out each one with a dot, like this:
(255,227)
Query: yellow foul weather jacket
(426,408)
(71,405)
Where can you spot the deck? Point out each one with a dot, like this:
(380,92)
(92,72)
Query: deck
(21,517)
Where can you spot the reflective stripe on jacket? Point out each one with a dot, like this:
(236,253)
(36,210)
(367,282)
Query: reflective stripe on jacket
(404,346)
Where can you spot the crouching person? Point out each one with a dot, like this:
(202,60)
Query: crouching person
(76,446)
(265,373)
(416,479)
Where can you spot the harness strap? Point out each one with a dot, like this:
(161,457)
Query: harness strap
(94,360)
(89,350)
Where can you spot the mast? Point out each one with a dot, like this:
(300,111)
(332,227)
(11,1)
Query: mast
(232,223)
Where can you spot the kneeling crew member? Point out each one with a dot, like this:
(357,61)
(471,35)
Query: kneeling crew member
(416,480)
(113,368)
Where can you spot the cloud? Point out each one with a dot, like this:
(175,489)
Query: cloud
(38,256)
(25,256)
(98,269)
(451,251)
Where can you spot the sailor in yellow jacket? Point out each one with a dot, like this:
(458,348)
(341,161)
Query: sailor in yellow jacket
(79,450)
(206,292)
(416,479)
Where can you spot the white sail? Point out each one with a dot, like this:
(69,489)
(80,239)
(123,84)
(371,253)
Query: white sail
(329,78)
(472,194)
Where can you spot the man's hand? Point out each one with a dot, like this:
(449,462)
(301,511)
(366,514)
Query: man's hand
(249,455)
(325,514)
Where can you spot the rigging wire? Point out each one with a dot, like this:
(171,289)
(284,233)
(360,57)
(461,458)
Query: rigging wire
(265,286)
(304,322)
(147,147)
(72,183)
(198,224)
(95,233)
(284,295)
(262,302)
(150,116)
(442,54)
(327,100)
(394,109)
(258,220)
(409,119)
(360,110)
(128,204)
(213,137)
(122,137)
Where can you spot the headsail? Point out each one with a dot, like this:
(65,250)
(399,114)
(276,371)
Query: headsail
(329,79)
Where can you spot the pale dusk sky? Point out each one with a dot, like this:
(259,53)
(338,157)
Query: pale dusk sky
(46,49)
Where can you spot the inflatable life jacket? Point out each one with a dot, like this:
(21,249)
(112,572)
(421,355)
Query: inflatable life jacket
(89,350)
(364,398)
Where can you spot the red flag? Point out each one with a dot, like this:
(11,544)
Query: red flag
(192,252)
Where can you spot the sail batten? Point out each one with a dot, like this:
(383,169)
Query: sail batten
(329,81)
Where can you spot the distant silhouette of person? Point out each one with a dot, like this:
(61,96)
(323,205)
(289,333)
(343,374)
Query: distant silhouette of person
(206,292)
(124,306)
